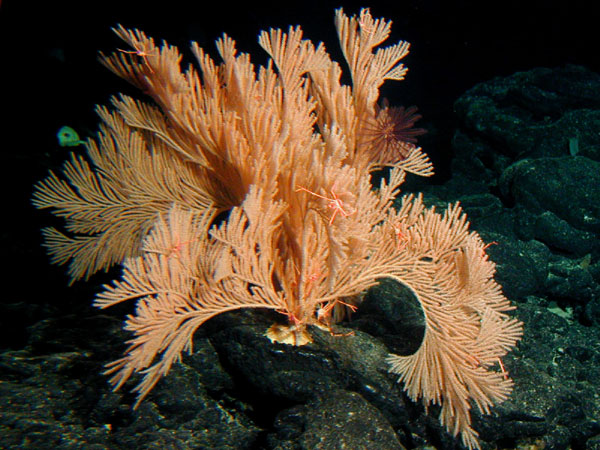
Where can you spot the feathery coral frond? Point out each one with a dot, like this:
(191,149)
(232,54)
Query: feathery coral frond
(282,155)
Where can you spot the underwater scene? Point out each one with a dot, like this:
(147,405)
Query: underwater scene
(310,225)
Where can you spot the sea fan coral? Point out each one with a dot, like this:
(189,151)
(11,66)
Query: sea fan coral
(282,154)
